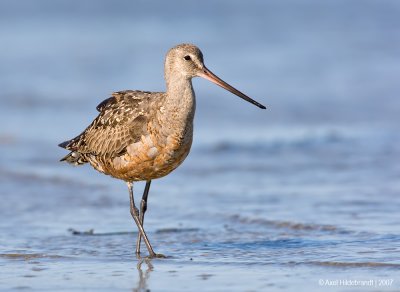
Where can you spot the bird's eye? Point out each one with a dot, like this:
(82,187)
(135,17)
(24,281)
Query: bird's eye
(187,58)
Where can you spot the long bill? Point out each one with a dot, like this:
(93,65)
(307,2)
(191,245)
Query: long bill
(207,74)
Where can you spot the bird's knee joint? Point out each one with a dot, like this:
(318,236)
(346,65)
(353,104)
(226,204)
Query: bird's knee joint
(134,212)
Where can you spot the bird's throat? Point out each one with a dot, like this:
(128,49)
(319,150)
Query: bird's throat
(180,101)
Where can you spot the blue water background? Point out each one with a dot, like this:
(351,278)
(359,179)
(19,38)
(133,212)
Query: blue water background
(304,191)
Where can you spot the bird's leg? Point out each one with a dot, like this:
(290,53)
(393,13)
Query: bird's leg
(135,216)
(143,208)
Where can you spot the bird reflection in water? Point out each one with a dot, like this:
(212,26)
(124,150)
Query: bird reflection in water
(143,276)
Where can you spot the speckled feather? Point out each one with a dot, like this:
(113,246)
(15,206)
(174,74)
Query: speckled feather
(121,122)
(122,125)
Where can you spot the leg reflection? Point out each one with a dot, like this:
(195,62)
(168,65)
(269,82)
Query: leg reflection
(143,276)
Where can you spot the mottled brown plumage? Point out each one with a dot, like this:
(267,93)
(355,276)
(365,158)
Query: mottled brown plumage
(140,135)
(125,140)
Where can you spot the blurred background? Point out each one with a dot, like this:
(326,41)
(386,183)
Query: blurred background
(312,182)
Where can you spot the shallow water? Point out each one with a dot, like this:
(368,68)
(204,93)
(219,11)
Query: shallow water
(301,196)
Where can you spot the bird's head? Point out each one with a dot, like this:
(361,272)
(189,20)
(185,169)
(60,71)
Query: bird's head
(186,61)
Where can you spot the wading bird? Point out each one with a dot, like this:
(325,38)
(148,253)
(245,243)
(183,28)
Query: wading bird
(141,135)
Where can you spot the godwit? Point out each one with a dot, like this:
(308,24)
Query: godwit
(141,135)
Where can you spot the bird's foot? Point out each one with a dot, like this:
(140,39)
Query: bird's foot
(151,256)
(157,256)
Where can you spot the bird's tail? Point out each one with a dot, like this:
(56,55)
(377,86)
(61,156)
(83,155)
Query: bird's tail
(75,158)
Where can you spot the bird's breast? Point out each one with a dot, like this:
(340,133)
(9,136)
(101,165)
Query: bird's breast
(153,156)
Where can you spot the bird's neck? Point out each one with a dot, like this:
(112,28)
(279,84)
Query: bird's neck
(180,100)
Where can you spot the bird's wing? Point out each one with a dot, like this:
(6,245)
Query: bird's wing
(121,122)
